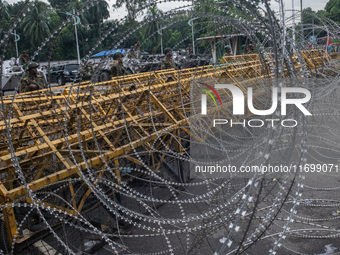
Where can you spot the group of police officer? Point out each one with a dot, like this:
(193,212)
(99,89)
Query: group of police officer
(117,68)
(246,49)
(33,81)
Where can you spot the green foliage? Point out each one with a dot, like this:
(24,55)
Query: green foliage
(321,13)
(15,7)
(4,16)
(332,9)
(131,6)
(36,25)
(4,12)
(44,18)
(308,17)
(60,4)
(154,26)
(174,39)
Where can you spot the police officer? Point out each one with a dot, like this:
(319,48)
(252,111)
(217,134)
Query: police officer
(24,57)
(251,49)
(117,68)
(228,51)
(245,49)
(137,46)
(131,53)
(88,72)
(31,80)
(168,62)
(190,50)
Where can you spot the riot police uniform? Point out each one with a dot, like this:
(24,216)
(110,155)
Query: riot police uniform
(24,57)
(168,62)
(117,68)
(131,53)
(228,51)
(88,72)
(31,78)
(251,49)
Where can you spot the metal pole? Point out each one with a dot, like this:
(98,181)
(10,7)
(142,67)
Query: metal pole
(293,7)
(213,48)
(301,22)
(313,34)
(193,38)
(162,41)
(75,26)
(16,41)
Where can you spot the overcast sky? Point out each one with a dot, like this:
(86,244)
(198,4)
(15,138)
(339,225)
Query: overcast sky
(314,4)
(120,13)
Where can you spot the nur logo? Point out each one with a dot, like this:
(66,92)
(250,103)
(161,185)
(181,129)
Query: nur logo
(206,91)
(238,99)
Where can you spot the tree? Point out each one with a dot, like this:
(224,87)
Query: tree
(36,25)
(4,15)
(131,6)
(100,12)
(308,17)
(154,25)
(60,4)
(174,39)
(332,9)
(4,10)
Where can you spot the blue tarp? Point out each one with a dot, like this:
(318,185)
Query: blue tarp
(108,52)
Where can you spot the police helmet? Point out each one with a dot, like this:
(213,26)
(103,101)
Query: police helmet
(117,55)
(32,65)
(167,50)
(227,47)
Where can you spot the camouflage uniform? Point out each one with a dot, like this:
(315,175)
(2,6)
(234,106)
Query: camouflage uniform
(117,69)
(25,58)
(131,54)
(29,79)
(251,49)
(168,64)
(88,73)
(245,49)
(137,46)
(228,54)
(190,50)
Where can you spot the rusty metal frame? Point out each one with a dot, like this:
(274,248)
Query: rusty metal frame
(102,113)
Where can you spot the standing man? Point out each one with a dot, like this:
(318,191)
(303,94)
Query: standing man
(31,80)
(117,68)
(245,49)
(190,50)
(88,72)
(132,53)
(168,62)
(251,49)
(137,46)
(24,58)
(228,51)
